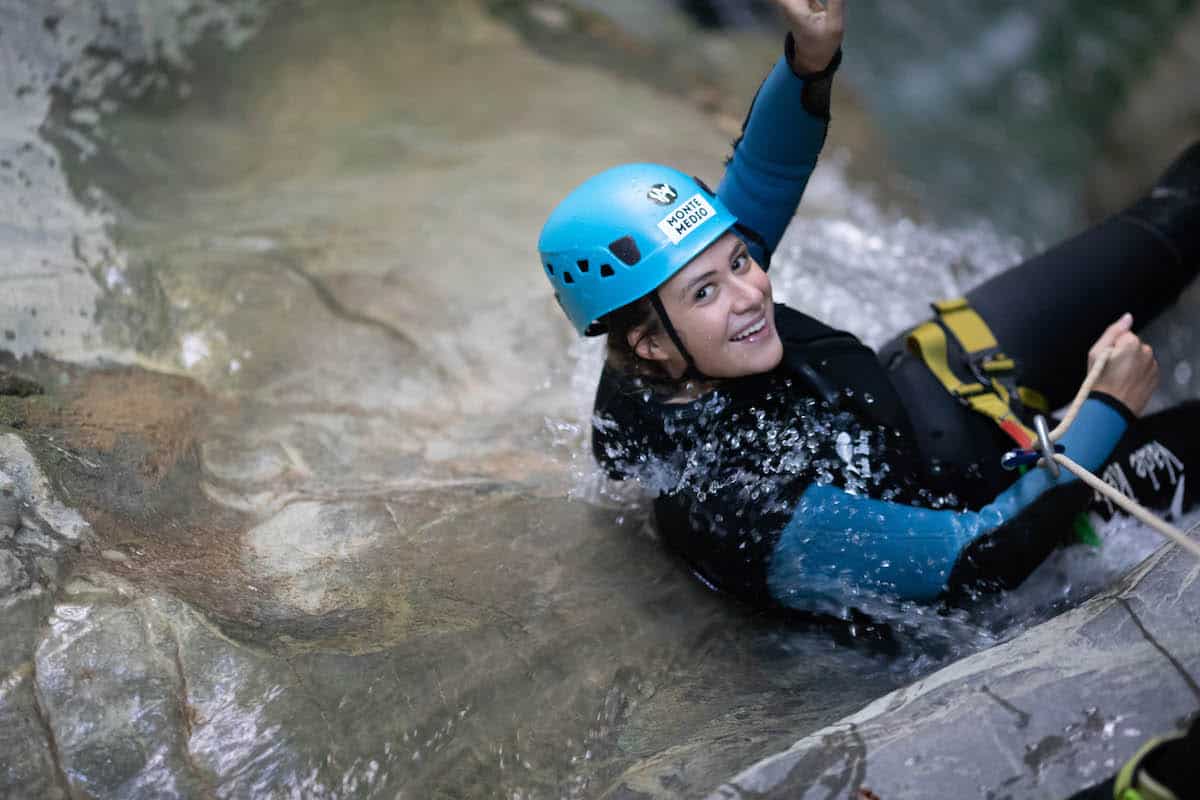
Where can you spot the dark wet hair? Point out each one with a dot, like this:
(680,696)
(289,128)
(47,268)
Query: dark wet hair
(622,356)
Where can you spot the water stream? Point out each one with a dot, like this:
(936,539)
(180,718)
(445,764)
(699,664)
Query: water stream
(350,541)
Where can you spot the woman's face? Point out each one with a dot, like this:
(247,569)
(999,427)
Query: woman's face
(721,307)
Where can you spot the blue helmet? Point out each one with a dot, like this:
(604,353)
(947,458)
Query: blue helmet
(622,234)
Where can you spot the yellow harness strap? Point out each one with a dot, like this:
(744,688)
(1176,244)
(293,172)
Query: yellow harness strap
(988,395)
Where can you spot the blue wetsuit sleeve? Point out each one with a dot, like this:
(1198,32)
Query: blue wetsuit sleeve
(774,157)
(837,546)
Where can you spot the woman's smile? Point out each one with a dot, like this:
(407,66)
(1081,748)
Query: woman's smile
(751,333)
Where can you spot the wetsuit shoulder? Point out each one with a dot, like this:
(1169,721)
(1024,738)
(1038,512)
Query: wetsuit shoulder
(621,422)
(835,366)
(635,435)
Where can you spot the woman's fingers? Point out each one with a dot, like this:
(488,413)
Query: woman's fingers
(1127,340)
(835,8)
(837,13)
(1111,334)
(1131,373)
(796,9)
(1123,325)
(817,29)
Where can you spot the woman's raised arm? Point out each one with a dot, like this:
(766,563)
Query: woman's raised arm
(786,125)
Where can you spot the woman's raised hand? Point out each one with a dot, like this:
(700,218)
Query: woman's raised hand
(817,28)
(1131,374)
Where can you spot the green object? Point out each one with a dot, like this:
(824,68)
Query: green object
(1085,532)
(1135,783)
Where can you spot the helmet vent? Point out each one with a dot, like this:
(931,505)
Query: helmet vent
(550,268)
(567,277)
(582,264)
(626,249)
(606,271)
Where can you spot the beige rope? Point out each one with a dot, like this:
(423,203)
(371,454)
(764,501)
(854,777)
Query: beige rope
(1084,390)
(1134,509)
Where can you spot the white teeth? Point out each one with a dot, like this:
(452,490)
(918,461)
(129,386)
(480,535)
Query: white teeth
(761,324)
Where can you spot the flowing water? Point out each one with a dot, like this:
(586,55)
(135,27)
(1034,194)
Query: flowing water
(374,557)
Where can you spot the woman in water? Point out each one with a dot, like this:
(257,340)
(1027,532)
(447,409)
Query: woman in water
(796,467)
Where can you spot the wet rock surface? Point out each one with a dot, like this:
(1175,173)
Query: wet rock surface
(398,640)
(295,500)
(59,255)
(1057,709)
(312,536)
(39,539)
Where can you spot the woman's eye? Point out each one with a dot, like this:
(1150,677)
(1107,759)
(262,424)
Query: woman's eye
(741,262)
(704,292)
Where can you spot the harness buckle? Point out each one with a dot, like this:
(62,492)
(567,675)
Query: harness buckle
(965,392)
(991,364)
(995,370)
(994,392)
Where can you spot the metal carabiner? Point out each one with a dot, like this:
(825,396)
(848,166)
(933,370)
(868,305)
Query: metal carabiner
(1045,446)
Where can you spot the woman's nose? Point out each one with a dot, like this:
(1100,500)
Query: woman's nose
(747,295)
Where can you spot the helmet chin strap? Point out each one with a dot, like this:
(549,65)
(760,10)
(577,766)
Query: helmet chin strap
(692,371)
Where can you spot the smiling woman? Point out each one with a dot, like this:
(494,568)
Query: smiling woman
(795,466)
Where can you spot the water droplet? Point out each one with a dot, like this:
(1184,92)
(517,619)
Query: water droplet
(1183,373)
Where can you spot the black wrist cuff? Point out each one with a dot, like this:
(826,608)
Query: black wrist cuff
(1114,404)
(789,52)
(815,96)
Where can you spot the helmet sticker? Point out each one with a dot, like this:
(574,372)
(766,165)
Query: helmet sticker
(662,193)
(685,219)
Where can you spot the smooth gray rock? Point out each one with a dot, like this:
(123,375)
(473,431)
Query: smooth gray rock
(10,514)
(28,768)
(59,257)
(1056,709)
(31,557)
(40,511)
(47,533)
(114,695)
(12,573)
